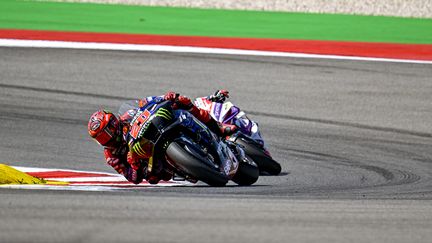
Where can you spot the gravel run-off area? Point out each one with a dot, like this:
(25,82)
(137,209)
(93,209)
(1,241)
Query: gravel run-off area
(402,8)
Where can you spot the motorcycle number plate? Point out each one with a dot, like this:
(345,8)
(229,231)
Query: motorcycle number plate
(138,123)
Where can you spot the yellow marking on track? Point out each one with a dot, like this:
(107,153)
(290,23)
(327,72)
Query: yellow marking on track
(9,175)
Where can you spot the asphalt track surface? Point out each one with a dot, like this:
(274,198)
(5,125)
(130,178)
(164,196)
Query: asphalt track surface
(354,139)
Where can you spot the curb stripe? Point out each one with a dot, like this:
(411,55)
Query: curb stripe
(358,49)
(184,49)
(84,180)
(65,174)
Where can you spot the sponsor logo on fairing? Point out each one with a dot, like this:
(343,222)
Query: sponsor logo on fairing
(217,110)
(137,123)
(164,113)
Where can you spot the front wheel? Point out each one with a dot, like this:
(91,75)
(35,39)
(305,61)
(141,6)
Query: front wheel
(195,166)
(247,173)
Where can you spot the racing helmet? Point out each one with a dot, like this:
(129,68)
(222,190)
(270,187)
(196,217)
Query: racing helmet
(104,127)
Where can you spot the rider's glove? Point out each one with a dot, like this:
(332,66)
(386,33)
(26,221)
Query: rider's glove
(171,96)
(228,129)
(179,101)
(133,161)
(116,164)
(219,96)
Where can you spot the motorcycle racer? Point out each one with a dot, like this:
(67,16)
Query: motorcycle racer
(133,159)
(230,118)
(242,130)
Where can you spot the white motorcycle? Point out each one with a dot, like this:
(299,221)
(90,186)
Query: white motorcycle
(247,134)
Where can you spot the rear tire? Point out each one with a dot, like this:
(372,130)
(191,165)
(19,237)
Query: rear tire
(247,173)
(194,167)
(265,163)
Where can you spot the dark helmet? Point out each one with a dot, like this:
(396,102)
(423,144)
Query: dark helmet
(104,127)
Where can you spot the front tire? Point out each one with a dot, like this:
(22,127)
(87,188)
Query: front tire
(194,166)
(247,173)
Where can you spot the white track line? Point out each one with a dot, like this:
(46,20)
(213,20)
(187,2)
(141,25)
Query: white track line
(35,169)
(99,181)
(62,188)
(186,49)
(108,187)
(88,179)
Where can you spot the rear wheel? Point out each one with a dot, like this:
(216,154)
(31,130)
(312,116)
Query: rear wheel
(195,166)
(265,163)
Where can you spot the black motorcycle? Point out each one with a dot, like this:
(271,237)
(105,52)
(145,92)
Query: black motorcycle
(188,149)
